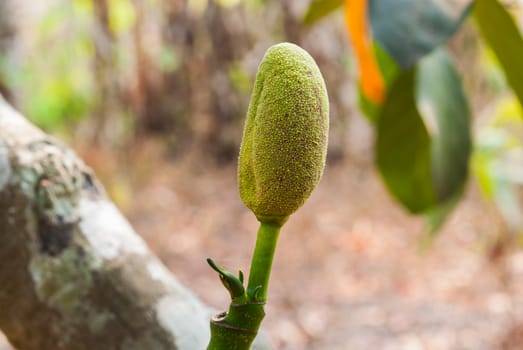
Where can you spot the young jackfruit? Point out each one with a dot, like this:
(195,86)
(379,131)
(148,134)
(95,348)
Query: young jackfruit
(284,145)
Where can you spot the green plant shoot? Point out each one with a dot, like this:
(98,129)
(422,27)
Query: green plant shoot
(282,157)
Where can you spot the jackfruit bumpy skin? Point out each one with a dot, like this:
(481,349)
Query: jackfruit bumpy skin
(284,145)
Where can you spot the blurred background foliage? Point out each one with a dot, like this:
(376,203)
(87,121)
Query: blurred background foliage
(109,71)
(112,73)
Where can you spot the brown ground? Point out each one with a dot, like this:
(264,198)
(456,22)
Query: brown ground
(349,272)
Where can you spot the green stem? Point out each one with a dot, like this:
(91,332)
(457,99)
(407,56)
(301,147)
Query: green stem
(261,263)
(236,329)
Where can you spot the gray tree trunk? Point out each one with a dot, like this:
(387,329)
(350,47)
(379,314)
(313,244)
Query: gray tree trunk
(73,274)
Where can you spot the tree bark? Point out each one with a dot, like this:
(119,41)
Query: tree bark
(73,274)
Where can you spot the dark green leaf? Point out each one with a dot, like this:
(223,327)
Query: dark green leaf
(444,108)
(423,140)
(319,9)
(410,29)
(389,68)
(436,217)
(403,146)
(502,35)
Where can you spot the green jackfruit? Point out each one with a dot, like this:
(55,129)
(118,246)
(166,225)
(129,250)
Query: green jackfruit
(284,145)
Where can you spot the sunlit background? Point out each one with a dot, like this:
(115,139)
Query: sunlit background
(152,94)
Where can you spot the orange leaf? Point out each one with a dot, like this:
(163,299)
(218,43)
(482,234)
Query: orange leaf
(357,23)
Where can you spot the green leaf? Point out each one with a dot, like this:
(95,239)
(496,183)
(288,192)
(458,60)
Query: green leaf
(502,35)
(369,108)
(444,107)
(436,217)
(388,66)
(423,135)
(403,146)
(410,29)
(319,9)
